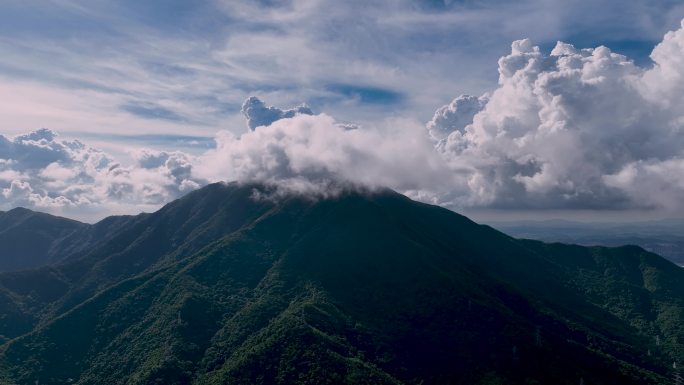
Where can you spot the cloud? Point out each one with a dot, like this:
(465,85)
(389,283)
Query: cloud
(455,116)
(311,153)
(39,170)
(175,167)
(171,68)
(651,184)
(664,83)
(570,128)
(258,114)
(576,128)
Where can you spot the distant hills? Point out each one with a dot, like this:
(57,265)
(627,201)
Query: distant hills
(219,287)
(663,237)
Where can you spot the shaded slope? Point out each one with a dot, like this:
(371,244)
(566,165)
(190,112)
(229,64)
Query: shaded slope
(364,288)
(30,239)
(118,248)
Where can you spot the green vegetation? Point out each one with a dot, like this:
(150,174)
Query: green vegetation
(365,288)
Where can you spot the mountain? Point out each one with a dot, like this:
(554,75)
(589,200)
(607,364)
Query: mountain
(30,239)
(230,284)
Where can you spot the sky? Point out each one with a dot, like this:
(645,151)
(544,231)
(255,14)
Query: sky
(112,107)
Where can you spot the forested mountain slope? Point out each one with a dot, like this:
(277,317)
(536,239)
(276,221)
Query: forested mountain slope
(366,287)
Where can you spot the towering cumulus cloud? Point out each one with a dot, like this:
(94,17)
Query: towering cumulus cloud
(577,128)
(567,129)
(455,116)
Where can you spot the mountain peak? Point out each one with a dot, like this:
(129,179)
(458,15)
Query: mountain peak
(19,211)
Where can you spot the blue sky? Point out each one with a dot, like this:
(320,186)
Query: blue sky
(134,77)
(183,68)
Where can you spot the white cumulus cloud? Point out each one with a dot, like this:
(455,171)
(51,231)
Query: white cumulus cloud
(576,128)
(40,171)
(455,116)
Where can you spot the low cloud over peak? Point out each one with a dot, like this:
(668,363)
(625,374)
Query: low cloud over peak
(308,152)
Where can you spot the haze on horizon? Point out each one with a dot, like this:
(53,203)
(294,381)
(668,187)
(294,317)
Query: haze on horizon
(532,110)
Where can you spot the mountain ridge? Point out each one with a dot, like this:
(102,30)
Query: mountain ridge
(360,288)
(30,239)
